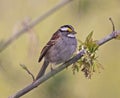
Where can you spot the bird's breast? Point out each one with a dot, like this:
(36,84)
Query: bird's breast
(62,50)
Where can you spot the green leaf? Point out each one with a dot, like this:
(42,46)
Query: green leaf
(89,37)
(88,62)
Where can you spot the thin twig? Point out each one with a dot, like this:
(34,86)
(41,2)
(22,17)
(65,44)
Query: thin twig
(28,71)
(6,43)
(59,68)
(112,24)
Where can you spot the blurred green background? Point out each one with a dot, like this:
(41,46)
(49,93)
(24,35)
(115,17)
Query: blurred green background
(85,16)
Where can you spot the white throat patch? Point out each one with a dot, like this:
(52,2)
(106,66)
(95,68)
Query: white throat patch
(71,35)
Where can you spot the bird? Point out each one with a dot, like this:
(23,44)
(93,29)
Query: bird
(59,48)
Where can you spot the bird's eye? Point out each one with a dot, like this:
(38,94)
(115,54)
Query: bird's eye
(66,29)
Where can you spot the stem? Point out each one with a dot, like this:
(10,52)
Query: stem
(6,43)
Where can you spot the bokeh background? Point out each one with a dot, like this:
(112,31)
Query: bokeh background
(85,16)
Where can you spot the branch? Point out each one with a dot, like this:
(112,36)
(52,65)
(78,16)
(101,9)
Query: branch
(6,43)
(109,37)
(112,23)
(28,71)
(36,83)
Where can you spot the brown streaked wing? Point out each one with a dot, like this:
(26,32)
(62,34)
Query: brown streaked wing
(48,46)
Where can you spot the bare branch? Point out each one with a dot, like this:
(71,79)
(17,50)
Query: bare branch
(47,76)
(109,37)
(28,71)
(6,43)
(61,67)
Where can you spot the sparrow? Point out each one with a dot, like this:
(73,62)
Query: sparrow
(59,48)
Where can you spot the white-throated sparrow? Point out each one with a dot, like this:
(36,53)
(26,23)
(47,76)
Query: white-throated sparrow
(59,49)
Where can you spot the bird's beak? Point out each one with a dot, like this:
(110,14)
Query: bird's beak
(74,32)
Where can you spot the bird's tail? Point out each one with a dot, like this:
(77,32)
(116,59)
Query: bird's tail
(42,70)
